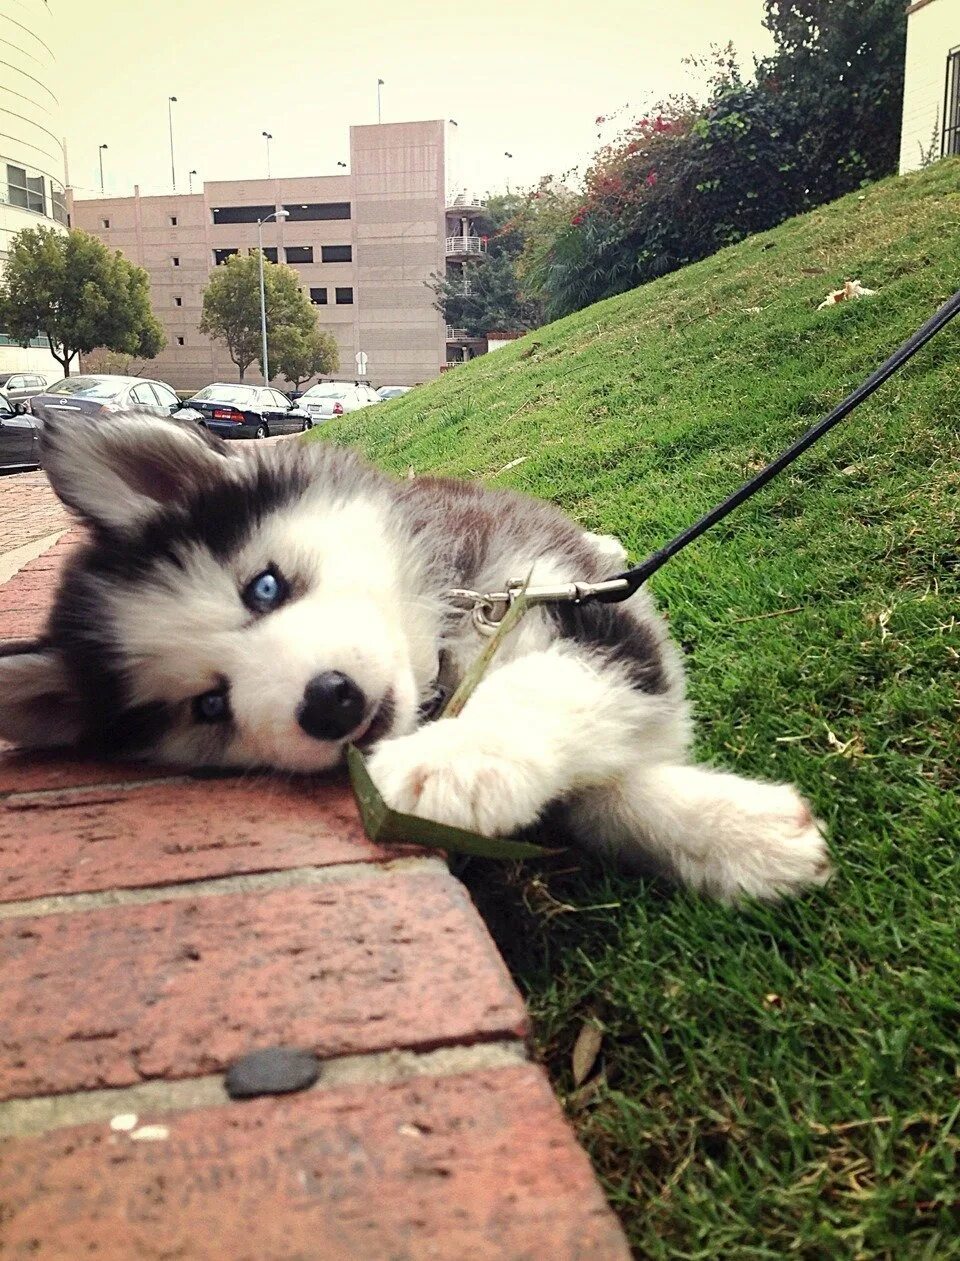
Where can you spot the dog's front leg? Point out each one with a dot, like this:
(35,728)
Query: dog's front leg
(537,729)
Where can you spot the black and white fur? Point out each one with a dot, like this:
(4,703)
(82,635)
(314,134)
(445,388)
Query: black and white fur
(584,707)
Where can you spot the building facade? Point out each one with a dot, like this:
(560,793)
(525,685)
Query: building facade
(931,93)
(32,163)
(363,244)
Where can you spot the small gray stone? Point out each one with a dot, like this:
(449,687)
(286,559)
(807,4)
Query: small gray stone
(278,1070)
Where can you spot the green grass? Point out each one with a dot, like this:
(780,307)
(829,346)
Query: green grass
(772,1081)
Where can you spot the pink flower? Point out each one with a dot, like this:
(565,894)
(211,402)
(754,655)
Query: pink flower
(651,179)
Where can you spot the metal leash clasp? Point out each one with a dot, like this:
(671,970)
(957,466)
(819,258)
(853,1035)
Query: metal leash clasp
(488,608)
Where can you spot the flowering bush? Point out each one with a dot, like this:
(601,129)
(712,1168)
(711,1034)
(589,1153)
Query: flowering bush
(817,120)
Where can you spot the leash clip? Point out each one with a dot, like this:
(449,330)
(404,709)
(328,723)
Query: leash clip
(488,608)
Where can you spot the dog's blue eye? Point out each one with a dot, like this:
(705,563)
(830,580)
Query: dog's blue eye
(265,592)
(212,706)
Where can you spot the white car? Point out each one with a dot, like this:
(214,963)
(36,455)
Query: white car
(393,391)
(336,398)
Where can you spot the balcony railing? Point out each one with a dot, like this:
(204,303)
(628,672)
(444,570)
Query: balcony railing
(461,335)
(466,245)
(464,200)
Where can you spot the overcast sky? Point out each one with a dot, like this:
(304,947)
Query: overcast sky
(527,77)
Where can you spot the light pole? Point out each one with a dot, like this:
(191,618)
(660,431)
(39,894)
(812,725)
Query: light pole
(268,137)
(507,155)
(190,175)
(171,100)
(102,147)
(278,215)
(380,83)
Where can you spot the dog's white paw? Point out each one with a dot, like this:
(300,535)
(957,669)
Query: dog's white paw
(448,773)
(774,847)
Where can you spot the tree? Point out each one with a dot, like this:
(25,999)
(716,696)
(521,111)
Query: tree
(300,355)
(819,119)
(485,293)
(231,308)
(70,289)
(842,67)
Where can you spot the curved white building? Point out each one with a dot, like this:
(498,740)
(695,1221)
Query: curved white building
(32,163)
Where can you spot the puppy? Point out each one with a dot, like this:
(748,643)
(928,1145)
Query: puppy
(264,606)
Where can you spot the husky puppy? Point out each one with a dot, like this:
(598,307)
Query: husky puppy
(263,607)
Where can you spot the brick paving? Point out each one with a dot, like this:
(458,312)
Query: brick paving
(28,510)
(155,926)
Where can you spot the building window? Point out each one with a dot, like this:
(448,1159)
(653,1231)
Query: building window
(300,212)
(241,214)
(336,253)
(179,341)
(299,253)
(178,302)
(176,261)
(318,297)
(59,206)
(270,253)
(25,191)
(105,223)
(173,221)
(344,297)
(221,256)
(950,143)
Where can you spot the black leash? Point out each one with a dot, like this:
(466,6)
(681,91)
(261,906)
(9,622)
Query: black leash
(489,607)
(636,577)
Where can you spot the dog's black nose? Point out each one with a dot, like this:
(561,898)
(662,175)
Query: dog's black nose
(332,706)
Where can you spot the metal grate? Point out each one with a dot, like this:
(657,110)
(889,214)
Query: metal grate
(950,143)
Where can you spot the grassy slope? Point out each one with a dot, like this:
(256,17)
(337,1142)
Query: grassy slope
(774,1079)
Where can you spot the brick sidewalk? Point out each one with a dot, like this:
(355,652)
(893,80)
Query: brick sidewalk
(154,927)
(28,510)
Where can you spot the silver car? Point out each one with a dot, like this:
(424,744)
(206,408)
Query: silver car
(20,386)
(336,398)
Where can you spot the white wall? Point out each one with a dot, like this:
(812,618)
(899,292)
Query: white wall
(933,28)
(30,138)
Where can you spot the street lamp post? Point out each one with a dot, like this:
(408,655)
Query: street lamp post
(102,147)
(190,175)
(278,215)
(380,84)
(267,137)
(171,100)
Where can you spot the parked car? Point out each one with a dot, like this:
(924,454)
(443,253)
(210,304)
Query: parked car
(101,394)
(20,386)
(335,398)
(393,391)
(246,411)
(19,438)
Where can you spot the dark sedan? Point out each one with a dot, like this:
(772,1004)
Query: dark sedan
(19,438)
(247,411)
(102,394)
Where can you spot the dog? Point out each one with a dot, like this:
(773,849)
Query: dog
(265,606)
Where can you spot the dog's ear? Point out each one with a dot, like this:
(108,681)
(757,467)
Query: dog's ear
(38,707)
(116,471)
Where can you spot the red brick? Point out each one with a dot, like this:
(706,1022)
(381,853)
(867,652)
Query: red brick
(27,586)
(54,557)
(22,623)
(480,1166)
(180,988)
(36,771)
(121,838)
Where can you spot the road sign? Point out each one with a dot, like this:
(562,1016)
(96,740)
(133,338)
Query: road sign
(361,359)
